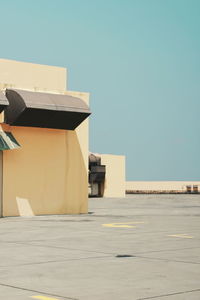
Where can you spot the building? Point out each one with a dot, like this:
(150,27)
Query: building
(43,142)
(106,175)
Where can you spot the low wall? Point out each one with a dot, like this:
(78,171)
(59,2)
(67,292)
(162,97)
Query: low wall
(159,186)
(115,175)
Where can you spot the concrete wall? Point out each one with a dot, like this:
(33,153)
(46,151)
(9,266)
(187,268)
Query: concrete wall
(82,130)
(48,174)
(36,77)
(115,175)
(159,185)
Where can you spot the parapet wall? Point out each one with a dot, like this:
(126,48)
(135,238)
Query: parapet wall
(159,186)
(28,76)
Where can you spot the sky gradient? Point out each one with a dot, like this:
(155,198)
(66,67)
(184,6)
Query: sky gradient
(139,59)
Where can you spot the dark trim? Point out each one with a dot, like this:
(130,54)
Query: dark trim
(3,102)
(44,110)
(1,184)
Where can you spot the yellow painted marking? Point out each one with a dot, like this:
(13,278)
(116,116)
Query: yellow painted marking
(43,298)
(122,225)
(118,225)
(183,236)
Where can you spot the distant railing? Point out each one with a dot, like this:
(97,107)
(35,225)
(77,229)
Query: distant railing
(187,189)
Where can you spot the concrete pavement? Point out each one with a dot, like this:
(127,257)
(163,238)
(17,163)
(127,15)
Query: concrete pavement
(140,247)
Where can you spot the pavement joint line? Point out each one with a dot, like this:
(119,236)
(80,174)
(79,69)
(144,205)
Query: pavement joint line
(35,291)
(168,295)
(139,231)
(56,247)
(168,250)
(168,260)
(106,253)
(97,257)
(55,261)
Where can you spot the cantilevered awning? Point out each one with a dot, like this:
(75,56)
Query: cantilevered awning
(3,102)
(33,109)
(7,141)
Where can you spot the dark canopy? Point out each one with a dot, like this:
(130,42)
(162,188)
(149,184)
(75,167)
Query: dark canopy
(34,109)
(8,141)
(3,102)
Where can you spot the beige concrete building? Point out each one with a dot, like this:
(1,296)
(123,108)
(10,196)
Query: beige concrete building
(107,175)
(47,125)
(115,175)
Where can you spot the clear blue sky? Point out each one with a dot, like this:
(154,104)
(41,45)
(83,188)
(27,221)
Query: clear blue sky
(139,59)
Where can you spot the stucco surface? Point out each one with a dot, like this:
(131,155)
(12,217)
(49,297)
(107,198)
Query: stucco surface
(25,75)
(47,175)
(82,130)
(115,175)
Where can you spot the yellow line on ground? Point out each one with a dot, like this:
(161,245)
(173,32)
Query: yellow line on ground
(130,223)
(122,225)
(43,298)
(118,226)
(183,236)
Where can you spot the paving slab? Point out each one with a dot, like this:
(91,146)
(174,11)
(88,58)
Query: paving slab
(139,247)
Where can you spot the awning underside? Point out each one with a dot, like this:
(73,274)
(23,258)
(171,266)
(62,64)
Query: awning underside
(7,141)
(33,109)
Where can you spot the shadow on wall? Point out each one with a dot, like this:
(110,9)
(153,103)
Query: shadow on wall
(47,175)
